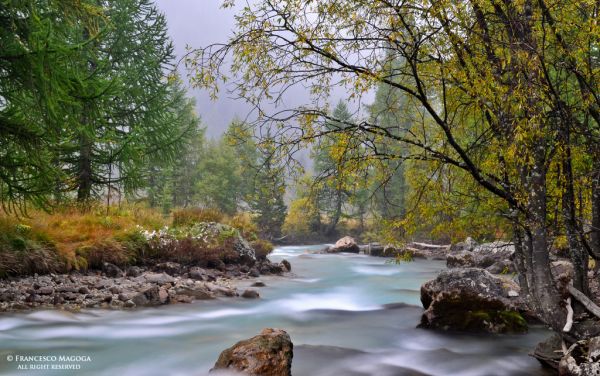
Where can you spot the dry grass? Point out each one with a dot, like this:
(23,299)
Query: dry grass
(26,251)
(189,216)
(79,239)
(262,248)
(70,238)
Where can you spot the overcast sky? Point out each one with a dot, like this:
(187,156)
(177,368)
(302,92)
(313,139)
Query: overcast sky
(198,23)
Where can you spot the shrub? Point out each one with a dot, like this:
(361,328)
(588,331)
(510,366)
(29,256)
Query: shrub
(245,224)
(189,216)
(262,248)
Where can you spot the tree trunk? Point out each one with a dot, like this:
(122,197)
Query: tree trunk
(577,253)
(84,172)
(547,297)
(595,230)
(336,214)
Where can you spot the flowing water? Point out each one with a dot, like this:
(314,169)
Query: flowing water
(346,315)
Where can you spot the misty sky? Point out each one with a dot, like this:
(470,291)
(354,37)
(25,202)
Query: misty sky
(198,23)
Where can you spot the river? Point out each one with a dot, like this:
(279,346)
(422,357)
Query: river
(346,315)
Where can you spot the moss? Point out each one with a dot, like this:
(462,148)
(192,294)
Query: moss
(471,313)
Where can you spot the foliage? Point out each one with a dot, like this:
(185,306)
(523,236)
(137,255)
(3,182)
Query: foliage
(505,110)
(35,91)
(245,224)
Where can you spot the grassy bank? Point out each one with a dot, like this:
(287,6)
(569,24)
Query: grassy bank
(72,239)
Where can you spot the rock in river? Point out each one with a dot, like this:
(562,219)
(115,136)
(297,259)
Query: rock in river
(345,244)
(470,299)
(267,354)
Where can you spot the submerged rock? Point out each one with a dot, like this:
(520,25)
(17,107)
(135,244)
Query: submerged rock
(346,244)
(549,351)
(250,294)
(470,299)
(267,354)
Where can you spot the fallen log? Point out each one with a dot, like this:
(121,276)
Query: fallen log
(584,300)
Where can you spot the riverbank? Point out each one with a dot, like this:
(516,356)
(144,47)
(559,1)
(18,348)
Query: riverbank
(113,288)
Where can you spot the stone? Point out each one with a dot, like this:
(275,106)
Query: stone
(148,297)
(163,296)
(125,296)
(286,264)
(200,293)
(562,269)
(134,271)
(158,278)
(471,300)
(581,359)
(69,296)
(549,351)
(496,257)
(254,272)
(171,268)
(268,354)
(346,244)
(111,270)
(468,245)
(460,259)
(224,291)
(115,290)
(258,284)
(183,299)
(84,290)
(250,294)
(197,273)
(46,290)
(501,267)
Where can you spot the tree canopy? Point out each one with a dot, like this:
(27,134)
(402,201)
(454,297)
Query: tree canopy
(504,97)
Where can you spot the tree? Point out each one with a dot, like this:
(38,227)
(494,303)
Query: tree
(332,185)
(267,199)
(173,183)
(219,183)
(123,116)
(391,111)
(508,92)
(35,92)
(264,188)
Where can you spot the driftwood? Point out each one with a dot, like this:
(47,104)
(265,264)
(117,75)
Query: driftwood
(584,300)
(434,246)
(569,323)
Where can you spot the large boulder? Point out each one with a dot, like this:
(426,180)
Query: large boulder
(345,244)
(269,353)
(218,232)
(473,300)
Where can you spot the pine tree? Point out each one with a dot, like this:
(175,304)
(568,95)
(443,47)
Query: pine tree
(124,117)
(35,92)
